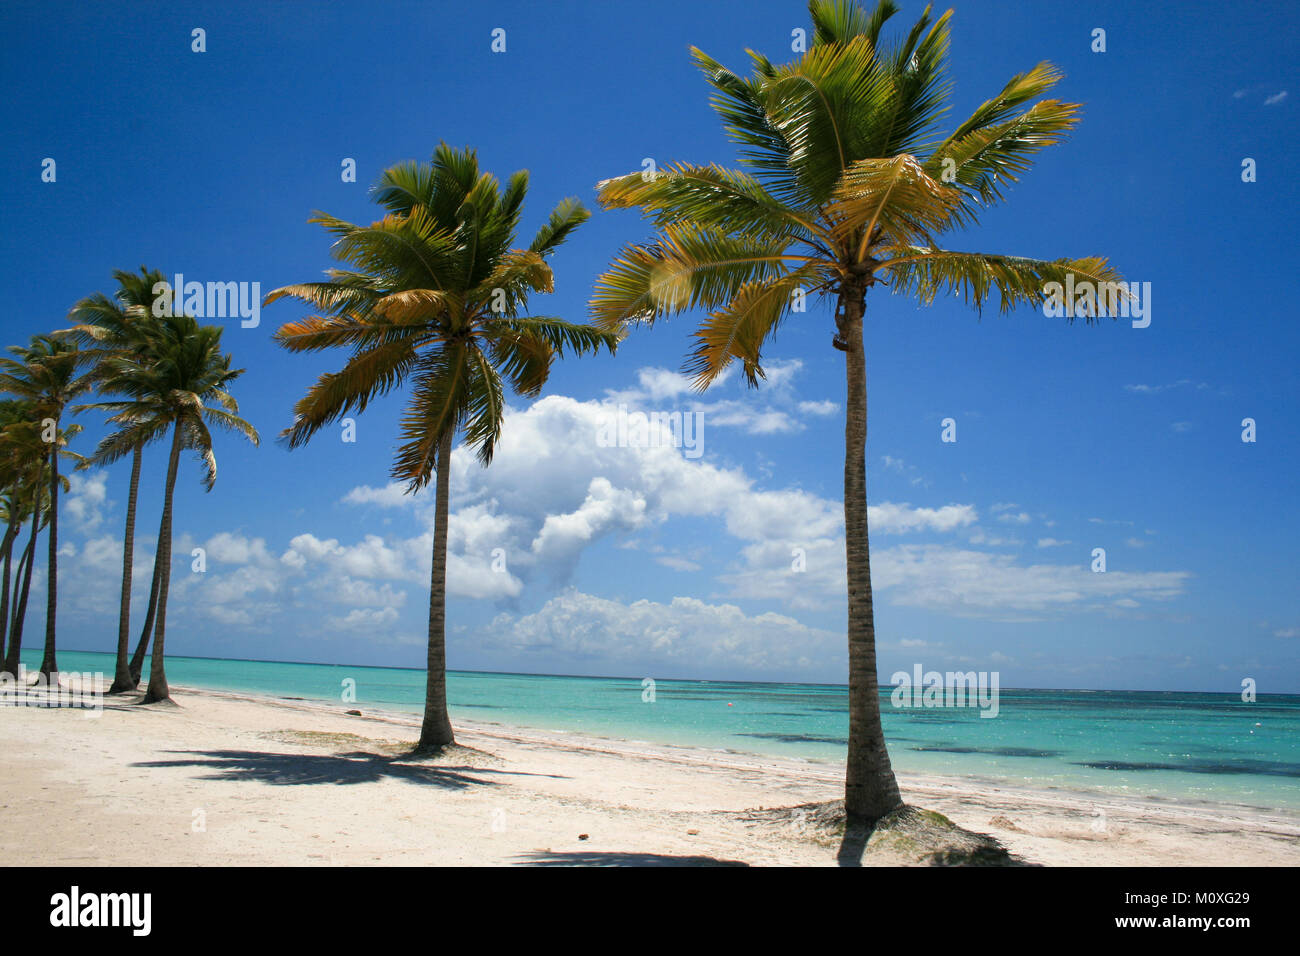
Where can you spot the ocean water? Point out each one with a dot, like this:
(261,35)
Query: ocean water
(1143,744)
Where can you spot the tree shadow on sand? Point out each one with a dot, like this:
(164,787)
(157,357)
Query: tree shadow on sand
(289,769)
(911,836)
(593,858)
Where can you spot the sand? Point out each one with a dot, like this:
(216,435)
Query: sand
(225,779)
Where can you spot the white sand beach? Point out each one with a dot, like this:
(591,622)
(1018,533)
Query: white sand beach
(225,779)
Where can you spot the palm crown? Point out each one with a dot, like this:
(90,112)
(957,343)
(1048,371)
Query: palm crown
(107,326)
(437,295)
(47,372)
(848,185)
(181,379)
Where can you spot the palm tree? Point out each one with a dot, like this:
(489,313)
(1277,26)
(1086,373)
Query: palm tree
(12,490)
(437,298)
(849,185)
(109,329)
(12,518)
(27,463)
(47,373)
(24,575)
(167,387)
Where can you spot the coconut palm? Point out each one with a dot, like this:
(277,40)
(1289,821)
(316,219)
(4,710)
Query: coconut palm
(12,493)
(437,298)
(12,518)
(25,453)
(849,186)
(48,373)
(168,387)
(109,328)
(22,586)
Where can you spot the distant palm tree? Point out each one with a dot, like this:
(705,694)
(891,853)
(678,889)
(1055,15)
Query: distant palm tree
(27,467)
(13,474)
(850,186)
(167,387)
(111,328)
(22,585)
(47,373)
(437,299)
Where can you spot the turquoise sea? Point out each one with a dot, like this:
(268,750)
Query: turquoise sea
(1143,744)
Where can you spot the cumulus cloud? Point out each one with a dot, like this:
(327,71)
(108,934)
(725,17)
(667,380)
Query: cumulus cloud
(86,500)
(769,410)
(683,637)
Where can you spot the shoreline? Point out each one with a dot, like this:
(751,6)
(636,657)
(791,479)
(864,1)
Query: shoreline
(513,795)
(812,768)
(1154,771)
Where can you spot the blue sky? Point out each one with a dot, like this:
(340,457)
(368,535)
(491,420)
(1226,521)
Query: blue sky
(643,561)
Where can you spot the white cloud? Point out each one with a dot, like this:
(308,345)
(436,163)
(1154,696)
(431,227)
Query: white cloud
(685,636)
(86,499)
(365,620)
(1157,389)
(606,508)
(392,495)
(677,563)
(228,548)
(819,408)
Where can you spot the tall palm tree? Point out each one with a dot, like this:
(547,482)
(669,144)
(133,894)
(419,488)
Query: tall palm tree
(26,456)
(848,186)
(12,517)
(437,298)
(22,586)
(13,474)
(48,373)
(167,387)
(112,328)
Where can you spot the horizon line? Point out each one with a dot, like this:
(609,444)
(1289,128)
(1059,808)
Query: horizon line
(694,680)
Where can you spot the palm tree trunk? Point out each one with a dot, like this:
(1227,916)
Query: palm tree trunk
(49,665)
(7,549)
(870,790)
(157,689)
(122,683)
(435,731)
(137,659)
(25,563)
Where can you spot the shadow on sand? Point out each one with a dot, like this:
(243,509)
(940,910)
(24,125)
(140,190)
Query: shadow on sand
(288,769)
(912,836)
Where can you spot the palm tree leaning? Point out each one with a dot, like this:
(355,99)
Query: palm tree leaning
(12,492)
(47,373)
(22,582)
(110,328)
(27,465)
(168,388)
(20,457)
(437,298)
(849,185)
